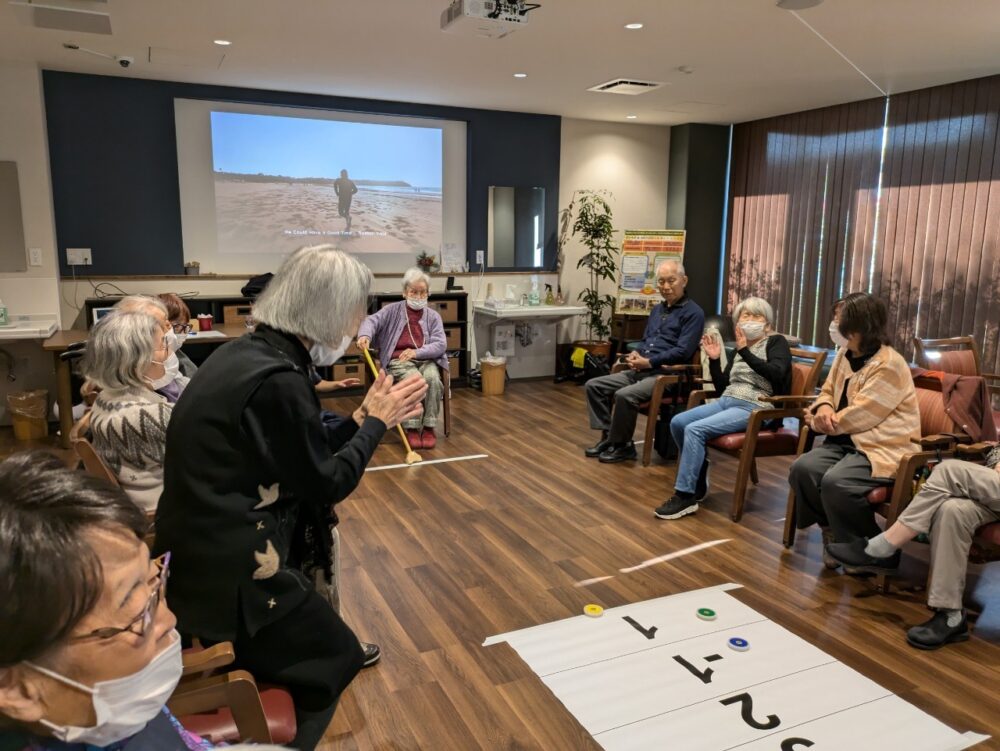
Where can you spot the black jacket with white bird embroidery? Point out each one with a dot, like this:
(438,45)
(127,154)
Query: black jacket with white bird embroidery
(249,485)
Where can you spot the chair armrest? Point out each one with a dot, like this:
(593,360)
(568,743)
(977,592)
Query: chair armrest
(789,399)
(681,368)
(937,441)
(990,376)
(973,451)
(209,658)
(902,490)
(697,397)
(618,367)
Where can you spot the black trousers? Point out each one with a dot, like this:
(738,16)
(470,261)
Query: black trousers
(830,483)
(312,653)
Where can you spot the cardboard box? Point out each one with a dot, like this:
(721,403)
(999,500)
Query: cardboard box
(453,366)
(236,313)
(447,308)
(453,336)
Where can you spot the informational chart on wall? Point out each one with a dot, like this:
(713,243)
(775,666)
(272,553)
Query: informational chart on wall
(642,252)
(701,671)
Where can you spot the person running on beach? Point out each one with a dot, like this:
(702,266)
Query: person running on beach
(345,189)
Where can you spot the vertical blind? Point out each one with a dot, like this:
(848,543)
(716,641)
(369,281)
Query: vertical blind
(898,196)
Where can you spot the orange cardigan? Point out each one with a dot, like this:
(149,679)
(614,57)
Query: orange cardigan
(881,416)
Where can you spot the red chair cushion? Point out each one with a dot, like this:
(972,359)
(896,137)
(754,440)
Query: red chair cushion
(990,533)
(768,441)
(219,727)
(879,495)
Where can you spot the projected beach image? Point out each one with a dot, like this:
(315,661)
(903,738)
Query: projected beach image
(284,182)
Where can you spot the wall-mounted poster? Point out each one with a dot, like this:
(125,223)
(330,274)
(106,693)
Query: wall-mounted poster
(642,252)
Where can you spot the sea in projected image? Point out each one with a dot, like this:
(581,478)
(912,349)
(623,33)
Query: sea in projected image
(281,182)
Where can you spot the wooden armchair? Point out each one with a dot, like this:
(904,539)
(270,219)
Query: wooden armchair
(684,377)
(228,707)
(939,441)
(759,440)
(958,355)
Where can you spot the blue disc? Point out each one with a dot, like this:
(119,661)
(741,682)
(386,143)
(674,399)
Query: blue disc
(740,645)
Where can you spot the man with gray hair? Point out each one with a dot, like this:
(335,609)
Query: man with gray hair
(671,338)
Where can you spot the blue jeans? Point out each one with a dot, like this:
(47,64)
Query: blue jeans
(695,427)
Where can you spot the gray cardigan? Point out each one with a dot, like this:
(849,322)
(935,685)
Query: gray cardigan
(386,326)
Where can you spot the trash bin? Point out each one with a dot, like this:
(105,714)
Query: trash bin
(28,413)
(494,375)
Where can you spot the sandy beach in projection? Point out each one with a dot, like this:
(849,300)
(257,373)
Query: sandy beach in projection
(268,216)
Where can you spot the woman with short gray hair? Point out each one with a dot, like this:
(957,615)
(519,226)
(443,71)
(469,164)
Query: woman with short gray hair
(761,367)
(410,340)
(252,479)
(125,359)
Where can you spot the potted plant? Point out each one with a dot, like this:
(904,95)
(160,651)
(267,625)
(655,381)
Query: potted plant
(594,227)
(426,262)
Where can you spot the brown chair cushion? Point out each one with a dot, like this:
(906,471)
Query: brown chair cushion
(933,418)
(219,727)
(990,533)
(771,440)
(958,361)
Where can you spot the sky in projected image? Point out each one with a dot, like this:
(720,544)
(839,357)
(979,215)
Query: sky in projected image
(279,184)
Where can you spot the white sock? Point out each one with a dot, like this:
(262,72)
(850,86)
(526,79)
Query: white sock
(954,617)
(879,547)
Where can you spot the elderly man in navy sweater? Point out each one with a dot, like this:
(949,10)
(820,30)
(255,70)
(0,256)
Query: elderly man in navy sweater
(672,336)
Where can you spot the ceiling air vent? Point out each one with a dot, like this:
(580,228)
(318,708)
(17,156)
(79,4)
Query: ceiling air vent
(625,86)
(88,16)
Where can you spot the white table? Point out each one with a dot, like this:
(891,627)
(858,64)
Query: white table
(537,359)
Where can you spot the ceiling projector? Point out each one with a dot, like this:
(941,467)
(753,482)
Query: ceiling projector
(486,18)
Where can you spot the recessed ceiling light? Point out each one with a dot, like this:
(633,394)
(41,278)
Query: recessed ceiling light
(222,42)
(633,26)
(631,117)
(686,69)
(520,75)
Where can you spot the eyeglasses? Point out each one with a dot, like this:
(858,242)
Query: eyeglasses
(182,328)
(141,622)
(418,295)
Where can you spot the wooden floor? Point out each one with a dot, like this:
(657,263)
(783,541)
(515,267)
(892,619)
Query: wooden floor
(437,558)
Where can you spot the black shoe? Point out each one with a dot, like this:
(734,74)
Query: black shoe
(620,453)
(936,632)
(372,654)
(676,507)
(598,448)
(701,487)
(853,554)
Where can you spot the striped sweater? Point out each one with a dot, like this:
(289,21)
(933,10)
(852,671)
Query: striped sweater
(881,416)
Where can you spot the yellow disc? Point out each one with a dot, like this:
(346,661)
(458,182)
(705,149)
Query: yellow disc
(594,611)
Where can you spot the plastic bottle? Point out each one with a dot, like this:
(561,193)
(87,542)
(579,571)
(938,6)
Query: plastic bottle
(549,297)
(4,319)
(533,297)
(560,300)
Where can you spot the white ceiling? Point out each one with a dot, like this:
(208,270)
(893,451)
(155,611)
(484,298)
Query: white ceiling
(750,59)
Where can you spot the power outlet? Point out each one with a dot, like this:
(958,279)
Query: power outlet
(480,257)
(78,256)
(34,256)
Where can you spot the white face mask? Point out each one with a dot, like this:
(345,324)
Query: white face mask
(325,356)
(752,329)
(416,303)
(838,339)
(174,341)
(123,706)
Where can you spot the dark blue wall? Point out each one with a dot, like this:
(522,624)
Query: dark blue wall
(113,155)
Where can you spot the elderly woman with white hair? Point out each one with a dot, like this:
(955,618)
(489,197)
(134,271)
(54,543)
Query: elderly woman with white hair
(173,381)
(410,339)
(251,482)
(125,359)
(762,366)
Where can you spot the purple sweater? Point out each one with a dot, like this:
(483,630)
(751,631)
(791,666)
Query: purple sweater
(386,326)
